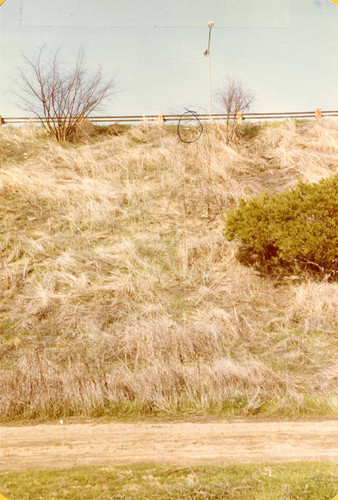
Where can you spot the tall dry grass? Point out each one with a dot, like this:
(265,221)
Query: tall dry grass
(119,293)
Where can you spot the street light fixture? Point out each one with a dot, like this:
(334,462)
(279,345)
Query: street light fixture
(211,24)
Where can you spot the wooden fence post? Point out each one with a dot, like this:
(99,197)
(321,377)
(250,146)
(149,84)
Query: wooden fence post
(239,118)
(160,119)
(1,120)
(318,114)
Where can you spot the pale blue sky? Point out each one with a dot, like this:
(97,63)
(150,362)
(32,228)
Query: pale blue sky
(286,51)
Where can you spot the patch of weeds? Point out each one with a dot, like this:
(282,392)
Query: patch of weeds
(111,130)
(237,481)
(137,141)
(250,130)
(7,330)
(260,168)
(305,406)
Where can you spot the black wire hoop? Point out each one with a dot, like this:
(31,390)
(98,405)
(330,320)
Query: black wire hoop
(180,126)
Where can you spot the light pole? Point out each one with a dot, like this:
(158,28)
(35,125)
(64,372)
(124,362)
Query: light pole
(211,24)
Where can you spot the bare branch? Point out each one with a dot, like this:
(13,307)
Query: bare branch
(234,98)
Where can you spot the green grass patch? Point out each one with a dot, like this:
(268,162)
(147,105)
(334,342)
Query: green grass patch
(249,481)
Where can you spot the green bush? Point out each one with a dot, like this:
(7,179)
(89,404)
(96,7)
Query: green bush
(290,231)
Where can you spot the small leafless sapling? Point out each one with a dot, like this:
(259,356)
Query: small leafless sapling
(235,98)
(61,98)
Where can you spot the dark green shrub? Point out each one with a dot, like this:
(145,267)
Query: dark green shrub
(292,230)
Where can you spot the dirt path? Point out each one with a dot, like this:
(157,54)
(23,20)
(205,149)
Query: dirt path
(57,445)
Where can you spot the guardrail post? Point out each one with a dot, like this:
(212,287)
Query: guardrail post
(318,114)
(160,119)
(239,118)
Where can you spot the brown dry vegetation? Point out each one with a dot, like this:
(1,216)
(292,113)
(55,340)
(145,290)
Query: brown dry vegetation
(119,293)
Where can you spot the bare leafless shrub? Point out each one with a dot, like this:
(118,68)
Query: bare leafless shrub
(60,98)
(235,98)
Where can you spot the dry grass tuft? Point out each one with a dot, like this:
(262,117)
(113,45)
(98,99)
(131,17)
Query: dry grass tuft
(315,306)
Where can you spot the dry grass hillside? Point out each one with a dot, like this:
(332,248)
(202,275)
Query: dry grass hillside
(119,294)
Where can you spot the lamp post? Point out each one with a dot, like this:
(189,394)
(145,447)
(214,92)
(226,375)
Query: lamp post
(211,24)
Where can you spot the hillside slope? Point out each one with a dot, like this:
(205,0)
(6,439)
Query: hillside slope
(119,293)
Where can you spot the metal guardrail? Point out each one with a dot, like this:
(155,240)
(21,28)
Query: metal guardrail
(175,117)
